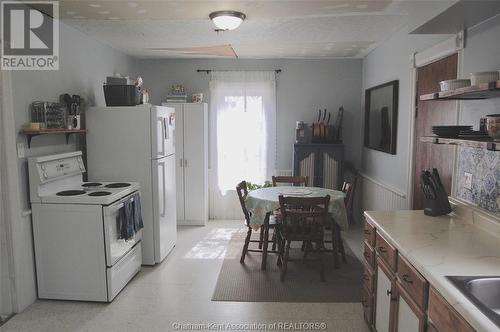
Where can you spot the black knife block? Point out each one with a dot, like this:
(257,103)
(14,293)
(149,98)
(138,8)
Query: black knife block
(439,206)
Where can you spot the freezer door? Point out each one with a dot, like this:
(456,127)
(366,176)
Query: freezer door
(162,131)
(164,206)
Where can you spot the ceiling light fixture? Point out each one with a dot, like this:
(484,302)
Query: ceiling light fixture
(227,19)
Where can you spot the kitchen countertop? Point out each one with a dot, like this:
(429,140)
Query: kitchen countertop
(452,245)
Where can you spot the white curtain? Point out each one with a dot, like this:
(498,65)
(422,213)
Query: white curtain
(243,127)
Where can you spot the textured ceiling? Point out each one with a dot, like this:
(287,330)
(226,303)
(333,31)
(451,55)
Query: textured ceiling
(273,28)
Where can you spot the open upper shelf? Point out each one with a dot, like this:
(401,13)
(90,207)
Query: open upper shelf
(68,132)
(487,143)
(483,91)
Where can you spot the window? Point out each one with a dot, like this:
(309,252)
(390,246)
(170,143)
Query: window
(243,127)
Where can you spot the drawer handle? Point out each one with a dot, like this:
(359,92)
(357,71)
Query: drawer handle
(406,278)
(389,293)
(382,250)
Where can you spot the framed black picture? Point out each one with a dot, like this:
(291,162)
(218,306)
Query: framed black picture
(381,117)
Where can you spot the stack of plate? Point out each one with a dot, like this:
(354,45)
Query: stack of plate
(472,134)
(450,131)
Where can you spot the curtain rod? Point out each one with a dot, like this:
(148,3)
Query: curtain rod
(277,71)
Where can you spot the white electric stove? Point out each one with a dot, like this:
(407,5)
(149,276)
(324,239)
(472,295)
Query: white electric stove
(79,255)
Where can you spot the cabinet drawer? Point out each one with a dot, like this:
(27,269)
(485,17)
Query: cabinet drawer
(369,234)
(443,316)
(367,303)
(387,252)
(368,279)
(413,282)
(369,254)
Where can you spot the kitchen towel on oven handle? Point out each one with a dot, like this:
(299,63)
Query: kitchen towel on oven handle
(130,217)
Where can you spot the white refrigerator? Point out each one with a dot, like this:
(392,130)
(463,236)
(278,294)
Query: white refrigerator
(137,143)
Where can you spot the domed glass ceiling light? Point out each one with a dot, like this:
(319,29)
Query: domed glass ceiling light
(227,19)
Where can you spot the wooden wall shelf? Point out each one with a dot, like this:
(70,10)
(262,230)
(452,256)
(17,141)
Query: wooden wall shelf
(67,132)
(483,91)
(487,144)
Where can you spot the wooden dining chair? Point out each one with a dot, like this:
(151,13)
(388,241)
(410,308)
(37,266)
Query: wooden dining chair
(288,180)
(303,219)
(242,191)
(348,188)
(336,239)
(293,180)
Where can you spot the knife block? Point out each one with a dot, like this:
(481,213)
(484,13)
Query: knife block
(439,206)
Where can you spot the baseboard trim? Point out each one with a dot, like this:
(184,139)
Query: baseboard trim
(191,223)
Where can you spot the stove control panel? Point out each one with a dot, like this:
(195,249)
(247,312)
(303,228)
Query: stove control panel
(52,169)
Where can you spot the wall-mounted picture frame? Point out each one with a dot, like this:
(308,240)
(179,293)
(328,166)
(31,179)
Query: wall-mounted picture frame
(381,117)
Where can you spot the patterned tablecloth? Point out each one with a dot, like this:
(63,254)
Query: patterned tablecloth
(261,201)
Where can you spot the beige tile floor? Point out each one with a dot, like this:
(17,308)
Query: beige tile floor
(179,291)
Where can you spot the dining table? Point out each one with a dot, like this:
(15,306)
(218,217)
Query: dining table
(262,202)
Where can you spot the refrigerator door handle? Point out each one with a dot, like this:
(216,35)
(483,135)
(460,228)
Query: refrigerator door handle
(181,162)
(164,191)
(185,163)
(165,129)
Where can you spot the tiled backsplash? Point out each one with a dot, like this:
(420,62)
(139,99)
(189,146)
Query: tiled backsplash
(484,166)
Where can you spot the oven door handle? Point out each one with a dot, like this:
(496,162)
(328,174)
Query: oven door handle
(117,206)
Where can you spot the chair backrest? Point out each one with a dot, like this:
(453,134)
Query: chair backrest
(347,190)
(294,180)
(303,218)
(242,191)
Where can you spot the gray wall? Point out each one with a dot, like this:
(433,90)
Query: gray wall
(303,87)
(481,54)
(391,61)
(84,64)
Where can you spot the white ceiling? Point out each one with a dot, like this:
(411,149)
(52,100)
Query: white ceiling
(273,28)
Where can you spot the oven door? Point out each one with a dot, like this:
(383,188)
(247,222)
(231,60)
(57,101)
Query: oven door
(116,248)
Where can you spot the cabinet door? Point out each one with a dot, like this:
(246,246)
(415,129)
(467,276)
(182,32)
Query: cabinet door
(409,317)
(179,158)
(195,163)
(330,170)
(384,299)
(305,163)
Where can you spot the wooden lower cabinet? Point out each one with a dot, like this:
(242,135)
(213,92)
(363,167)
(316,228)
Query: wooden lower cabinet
(367,302)
(384,298)
(396,295)
(444,317)
(408,317)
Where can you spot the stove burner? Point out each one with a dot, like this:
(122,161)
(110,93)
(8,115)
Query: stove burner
(91,184)
(100,193)
(117,185)
(70,193)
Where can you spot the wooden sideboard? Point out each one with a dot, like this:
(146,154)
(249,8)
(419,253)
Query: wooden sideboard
(322,163)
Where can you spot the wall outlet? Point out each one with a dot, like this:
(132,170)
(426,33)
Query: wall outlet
(468,181)
(20,150)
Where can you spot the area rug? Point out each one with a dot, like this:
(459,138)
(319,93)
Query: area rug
(248,283)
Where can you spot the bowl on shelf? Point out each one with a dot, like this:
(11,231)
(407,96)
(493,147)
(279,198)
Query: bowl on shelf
(454,84)
(484,77)
(493,126)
